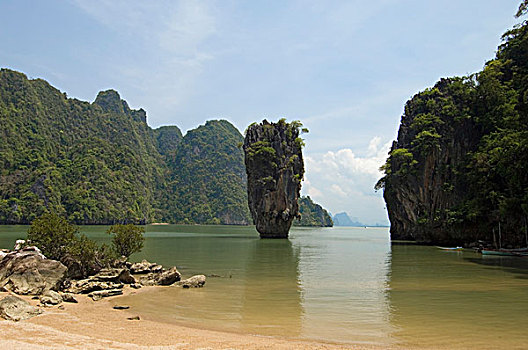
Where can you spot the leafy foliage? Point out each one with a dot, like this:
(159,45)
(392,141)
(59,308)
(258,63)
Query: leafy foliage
(312,214)
(60,240)
(53,234)
(486,116)
(207,181)
(100,163)
(126,239)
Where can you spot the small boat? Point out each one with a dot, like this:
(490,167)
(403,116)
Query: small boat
(505,252)
(451,248)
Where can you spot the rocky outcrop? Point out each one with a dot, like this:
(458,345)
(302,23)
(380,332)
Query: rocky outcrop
(274,168)
(27,271)
(142,273)
(425,181)
(50,298)
(197,281)
(15,309)
(99,294)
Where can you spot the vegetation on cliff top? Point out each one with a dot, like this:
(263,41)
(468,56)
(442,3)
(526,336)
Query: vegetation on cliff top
(312,214)
(465,141)
(100,163)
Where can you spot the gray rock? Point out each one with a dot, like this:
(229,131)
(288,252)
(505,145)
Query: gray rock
(114,275)
(135,285)
(197,281)
(27,271)
(15,309)
(141,267)
(89,285)
(274,168)
(164,278)
(68,297)
(19,244)
(168,277)
(50,298)
(98,295)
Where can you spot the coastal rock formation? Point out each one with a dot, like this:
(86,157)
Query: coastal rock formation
(274,168)
(15,309)
(425,163)
(457,172)
(27,271)
(99,294)
(197,281)
(50,298)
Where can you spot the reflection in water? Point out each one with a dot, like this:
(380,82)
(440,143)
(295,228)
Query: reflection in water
(448,300)
(272,295)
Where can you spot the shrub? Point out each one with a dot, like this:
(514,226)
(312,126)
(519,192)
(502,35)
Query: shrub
(60,240)
(127,239)
(53,234)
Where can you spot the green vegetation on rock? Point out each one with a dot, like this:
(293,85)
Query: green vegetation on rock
(312,214)
(100,163)
(126,239)
(207,177)
(458,167)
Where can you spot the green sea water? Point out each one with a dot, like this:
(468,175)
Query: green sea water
(347,285)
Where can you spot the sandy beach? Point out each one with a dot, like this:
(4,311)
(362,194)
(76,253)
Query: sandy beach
(96,325)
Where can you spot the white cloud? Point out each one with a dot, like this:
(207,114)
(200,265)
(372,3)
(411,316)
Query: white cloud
(161,49)
(345,181)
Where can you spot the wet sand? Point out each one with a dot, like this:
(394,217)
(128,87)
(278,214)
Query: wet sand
(96,325)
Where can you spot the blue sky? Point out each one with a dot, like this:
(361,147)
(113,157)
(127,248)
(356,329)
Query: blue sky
(344,68)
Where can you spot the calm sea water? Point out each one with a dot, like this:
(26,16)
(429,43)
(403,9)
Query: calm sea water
(335,284)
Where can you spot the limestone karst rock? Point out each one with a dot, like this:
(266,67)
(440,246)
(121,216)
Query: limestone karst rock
(274,168)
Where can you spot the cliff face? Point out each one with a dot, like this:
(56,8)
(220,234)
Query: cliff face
(457,172)
(424,182)
(274,168)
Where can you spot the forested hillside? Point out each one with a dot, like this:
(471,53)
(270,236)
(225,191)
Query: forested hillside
(95,162)
(100,163)
(312,214)
(458,170)
(208,177)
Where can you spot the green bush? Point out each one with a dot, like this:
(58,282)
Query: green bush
(126,239)
(53,234)
(60,240)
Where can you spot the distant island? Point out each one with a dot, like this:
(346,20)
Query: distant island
(100,162)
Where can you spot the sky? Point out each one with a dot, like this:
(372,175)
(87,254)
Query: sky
(343,68)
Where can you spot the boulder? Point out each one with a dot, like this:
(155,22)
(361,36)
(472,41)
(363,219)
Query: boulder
(27,271)
(19,244)
(89,285)
(168,277)
(68,297)
(15,309)
(114,275)
(98,295)
(164,278)
(197,281)
(50,298)
(145,267)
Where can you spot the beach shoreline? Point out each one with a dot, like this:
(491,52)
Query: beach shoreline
(96,325)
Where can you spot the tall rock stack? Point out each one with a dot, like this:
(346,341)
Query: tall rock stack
(274,168)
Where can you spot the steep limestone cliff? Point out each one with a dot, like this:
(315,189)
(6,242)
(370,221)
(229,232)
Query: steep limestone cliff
(457,172)
(423,184)
(274,168)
